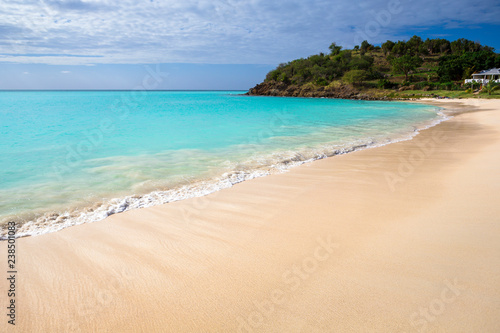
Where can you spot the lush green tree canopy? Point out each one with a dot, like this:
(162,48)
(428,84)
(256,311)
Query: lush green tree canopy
(405,64)
(436,59)
(355,76)
(461,66)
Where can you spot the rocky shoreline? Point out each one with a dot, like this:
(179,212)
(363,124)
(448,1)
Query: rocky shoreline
(344,91)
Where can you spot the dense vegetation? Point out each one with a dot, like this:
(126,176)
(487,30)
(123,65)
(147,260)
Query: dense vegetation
(414,64)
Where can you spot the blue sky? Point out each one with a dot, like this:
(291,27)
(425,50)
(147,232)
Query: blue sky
(207,44)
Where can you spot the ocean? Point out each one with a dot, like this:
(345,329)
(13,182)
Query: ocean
(72,157)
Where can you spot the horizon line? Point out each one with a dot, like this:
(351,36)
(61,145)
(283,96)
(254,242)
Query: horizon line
(123,90)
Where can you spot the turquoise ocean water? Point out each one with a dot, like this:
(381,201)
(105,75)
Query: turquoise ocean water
(71,157)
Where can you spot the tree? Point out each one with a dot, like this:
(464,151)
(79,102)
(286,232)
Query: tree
(273,75)
(423,50)
(405,64)
(387,47)
(399,48)
(365,46)
(450,68)
(436,45)
(355,76)
(335,49)
(343,58)
(444,45)
(413,45)
(361,62)
(459,66)
(284,78)
(491,87)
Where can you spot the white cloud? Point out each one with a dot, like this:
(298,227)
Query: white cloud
(210,31)
(65,72)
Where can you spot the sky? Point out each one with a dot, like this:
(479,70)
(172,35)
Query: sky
(207,44)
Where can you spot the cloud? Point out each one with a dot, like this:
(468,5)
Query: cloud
(65,72)
(213,31)
(75,5)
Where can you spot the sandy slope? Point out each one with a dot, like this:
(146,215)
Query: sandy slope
(402,238)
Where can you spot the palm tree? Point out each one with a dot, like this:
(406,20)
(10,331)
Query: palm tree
(491,87)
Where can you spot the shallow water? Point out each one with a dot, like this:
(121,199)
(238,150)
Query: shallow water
(70,157)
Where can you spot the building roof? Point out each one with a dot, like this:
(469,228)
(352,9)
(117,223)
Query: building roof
(492,71)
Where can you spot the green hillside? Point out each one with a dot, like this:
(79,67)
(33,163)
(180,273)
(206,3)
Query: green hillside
(417,65)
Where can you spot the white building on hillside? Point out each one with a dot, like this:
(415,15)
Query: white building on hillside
(485,76)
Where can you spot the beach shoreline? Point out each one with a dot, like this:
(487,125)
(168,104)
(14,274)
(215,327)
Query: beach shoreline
(397,238)
(55,215)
